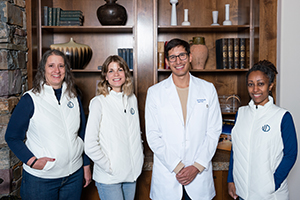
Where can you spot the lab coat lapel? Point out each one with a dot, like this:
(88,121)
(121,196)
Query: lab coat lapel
(192,99)
(173,97)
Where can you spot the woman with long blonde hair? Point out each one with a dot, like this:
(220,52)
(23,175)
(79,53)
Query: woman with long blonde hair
(113,139)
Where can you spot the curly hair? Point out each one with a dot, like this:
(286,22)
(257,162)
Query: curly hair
(266,67)
(40,79)
(103,85)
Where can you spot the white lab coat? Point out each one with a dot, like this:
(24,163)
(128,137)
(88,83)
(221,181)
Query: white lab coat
(172,141)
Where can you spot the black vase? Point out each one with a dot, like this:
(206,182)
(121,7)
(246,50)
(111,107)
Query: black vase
(112,13)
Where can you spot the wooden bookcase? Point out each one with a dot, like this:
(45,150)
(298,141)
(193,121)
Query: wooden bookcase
(103,40)
(244,15)
(149,22)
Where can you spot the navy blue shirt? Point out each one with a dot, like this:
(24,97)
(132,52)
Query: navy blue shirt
(290,148)
(19,122)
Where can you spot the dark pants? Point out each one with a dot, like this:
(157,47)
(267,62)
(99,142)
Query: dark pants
(66,188)
(185,195)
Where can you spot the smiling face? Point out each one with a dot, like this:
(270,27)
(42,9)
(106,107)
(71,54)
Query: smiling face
(258,87)
(55,71)
(115,76)
(180,68)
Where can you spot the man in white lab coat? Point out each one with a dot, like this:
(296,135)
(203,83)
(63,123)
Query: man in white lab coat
(183,125)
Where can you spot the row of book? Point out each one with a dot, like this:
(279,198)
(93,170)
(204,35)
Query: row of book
(127,55)
(60,17)
(232,53)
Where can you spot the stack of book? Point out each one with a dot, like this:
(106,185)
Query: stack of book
(60,17)
(127,55)
(232,53)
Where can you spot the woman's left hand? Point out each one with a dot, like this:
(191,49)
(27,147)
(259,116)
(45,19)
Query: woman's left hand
(87,175)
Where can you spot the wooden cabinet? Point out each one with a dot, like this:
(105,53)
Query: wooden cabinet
(149,22)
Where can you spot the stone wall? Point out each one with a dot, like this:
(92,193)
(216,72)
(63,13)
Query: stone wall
(13,82)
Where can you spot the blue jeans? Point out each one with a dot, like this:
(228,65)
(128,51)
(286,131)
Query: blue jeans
(66,188)
(119,191)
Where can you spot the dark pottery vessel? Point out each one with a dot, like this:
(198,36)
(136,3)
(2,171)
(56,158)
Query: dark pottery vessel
(112,13)
(79,55)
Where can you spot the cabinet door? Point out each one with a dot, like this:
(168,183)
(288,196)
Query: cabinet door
(220,181)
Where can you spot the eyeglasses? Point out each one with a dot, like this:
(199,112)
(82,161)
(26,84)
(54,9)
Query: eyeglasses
(181,56)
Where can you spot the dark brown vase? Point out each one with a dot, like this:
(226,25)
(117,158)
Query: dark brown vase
(78,54)
(112,13)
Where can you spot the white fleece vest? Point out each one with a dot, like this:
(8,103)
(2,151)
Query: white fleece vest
(52,132)
(119,139)
(258,150)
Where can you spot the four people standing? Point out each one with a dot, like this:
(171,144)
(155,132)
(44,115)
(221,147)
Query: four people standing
(183,125)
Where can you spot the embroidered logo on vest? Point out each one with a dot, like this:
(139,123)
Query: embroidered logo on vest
(70,104)
(265,128)
(132,111)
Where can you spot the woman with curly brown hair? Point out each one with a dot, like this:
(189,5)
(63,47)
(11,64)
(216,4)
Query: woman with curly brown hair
(50,118)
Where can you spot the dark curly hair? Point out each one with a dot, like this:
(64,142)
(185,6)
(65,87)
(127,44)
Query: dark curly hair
(266,67)
(40,79)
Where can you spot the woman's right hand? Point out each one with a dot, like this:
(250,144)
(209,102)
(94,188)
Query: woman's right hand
(40,163)
(232,190)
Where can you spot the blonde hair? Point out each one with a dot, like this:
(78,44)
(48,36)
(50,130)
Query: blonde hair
(103,85)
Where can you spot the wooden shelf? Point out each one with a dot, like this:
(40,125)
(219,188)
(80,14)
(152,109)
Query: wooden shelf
(191,29)
(88,71)
(88,29)
(209,70)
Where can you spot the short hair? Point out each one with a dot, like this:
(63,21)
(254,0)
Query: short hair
(266,67)
(40,79)
(175,43)
(103,85)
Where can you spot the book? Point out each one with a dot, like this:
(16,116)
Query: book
(124,54)
(70,19)
(160,55)
(71,15)
(58,10)
(45,14)
(236,53)
(127,56)
(119,50)
(242,53)
(247,59)
(54,16)
(50,16)
(70,23)
(230,53)
(131,58)
(63,12)
(221,53)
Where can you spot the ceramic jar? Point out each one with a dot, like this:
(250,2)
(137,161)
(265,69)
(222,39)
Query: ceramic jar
(112,13)
(79,55)
(199,52)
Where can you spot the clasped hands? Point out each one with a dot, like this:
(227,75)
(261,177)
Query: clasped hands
(187,174)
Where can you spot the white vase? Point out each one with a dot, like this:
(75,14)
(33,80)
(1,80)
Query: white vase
(186,18)
(173,14)
(215,18)
(227,21)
